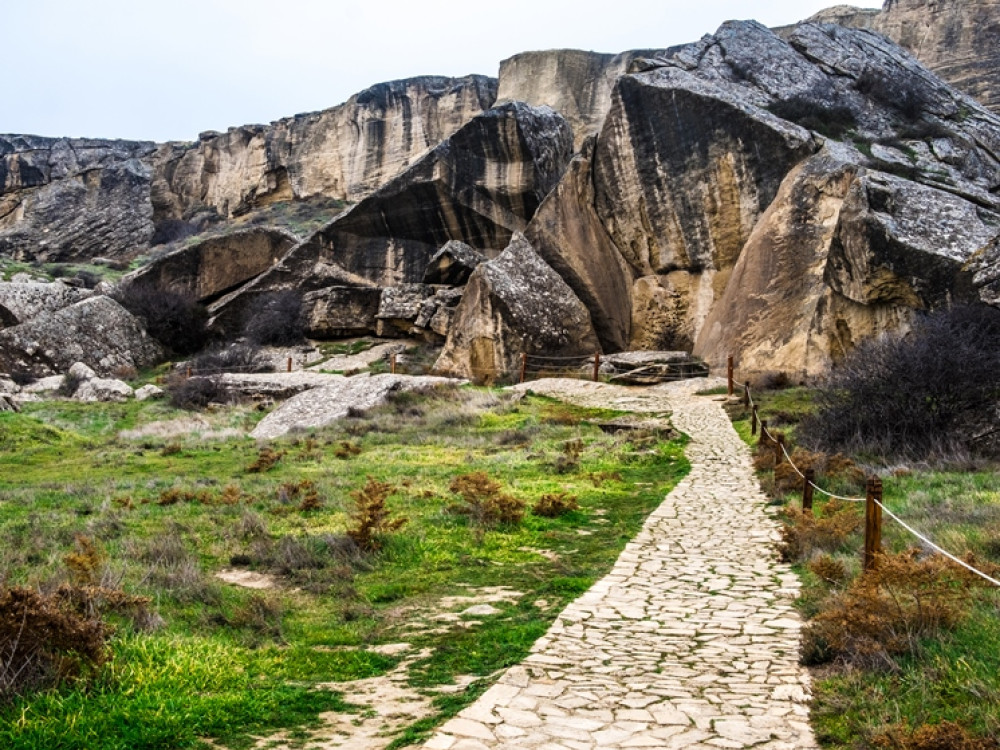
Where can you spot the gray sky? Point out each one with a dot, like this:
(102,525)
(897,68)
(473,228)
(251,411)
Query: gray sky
(155,70)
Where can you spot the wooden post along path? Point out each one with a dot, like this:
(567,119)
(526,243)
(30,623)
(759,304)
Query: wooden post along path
(729,374)
(873,523)
(807,491)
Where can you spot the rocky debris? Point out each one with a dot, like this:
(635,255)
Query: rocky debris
(512,305)
(650,368)
(8,403)
(276,385)
(400,307)
(319,407)
(103,389)
(575,83)
(345,152)
(478,186)
(96,331)
(149,392)
(21,301)
(217,265)
(338,311)
(67,199)
(453,264)
(46,385)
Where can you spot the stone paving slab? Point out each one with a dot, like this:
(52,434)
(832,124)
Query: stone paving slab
(690,642)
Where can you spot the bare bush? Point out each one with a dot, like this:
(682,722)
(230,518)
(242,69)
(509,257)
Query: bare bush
(370,517)
(803,534)
(484,502)
(174,319)
(555,504)
(232,358)
(276,320)
(916,396)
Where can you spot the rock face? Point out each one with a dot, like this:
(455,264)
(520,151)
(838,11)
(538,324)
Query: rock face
(345,152)
(67,199)
(512,305)
(575,83)
(217,265)
(479,186)
(98,332)
(453,264)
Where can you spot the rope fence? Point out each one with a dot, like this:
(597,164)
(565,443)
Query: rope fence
(874,507)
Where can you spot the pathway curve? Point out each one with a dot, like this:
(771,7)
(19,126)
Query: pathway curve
(690,642)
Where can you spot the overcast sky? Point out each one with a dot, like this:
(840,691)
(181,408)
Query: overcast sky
(156,70)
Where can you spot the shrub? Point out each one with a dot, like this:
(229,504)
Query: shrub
(944,736)
(553,505)
(886,612)
(174,319)
(370,518)
(172,230)
(484,502)
(276,320)
(903,93)
(803,534)
(830,120)
(267,459)
(913,396)
(233,358)
(195,393)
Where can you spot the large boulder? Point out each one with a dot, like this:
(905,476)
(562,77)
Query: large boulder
(97,332)
(336,311)
(215,266)
(453,264)
(514,305)
(479,186)
(20,302)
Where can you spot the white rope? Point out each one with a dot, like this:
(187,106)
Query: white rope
(790,462)
(935,547)
(838,497)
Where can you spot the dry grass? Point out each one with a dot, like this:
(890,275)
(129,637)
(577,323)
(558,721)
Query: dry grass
(803,534)
(944,736)
(553,505)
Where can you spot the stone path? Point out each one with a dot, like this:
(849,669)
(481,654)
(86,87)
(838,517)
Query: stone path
(690,642)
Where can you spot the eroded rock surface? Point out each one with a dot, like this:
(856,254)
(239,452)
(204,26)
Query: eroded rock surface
(20,302)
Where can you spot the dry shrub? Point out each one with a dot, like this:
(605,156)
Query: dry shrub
(174,495)
(830,569)
(347,449)
(267,459)
(485,503)
(803,534)
(944,736)
(370,518)
(561,415)
(310,499)
(86,562)
(170,449)
(569,460)
(231,495)
(196,392)
(553,505)
(261,614)
(598,478)
(292,491)
(886,612)
(771,381)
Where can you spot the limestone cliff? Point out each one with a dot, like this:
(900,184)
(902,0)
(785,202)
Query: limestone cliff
(345,152)
(575,83)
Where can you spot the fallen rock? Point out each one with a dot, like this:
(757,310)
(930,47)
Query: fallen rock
(217,265)
(80,372)
(20,302)
(400,306)
(339,311)
(512,305)
(453,264)
(97,332)
(273,385)
(323,406)
(103,389)
(148,392)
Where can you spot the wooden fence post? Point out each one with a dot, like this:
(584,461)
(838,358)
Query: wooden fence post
(779,445)
(873,523)
(807,491)
(289,364)
(746,395)
(729,371)
(392,364)
(524,365)
(597,366)
(189,373)
(753,421)
(763,433)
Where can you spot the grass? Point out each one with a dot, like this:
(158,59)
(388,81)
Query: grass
(258,657)
(952,677)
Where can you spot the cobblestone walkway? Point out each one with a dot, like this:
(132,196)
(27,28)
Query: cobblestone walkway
(691,640)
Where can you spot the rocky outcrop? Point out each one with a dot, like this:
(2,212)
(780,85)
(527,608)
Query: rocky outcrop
(575,83)
(20,302)
(97,332)
(336,311)
(71,199)
(957,39)
(320,407)
(212,267)
(515,305)
(453,264)
(345,152)
(479,186)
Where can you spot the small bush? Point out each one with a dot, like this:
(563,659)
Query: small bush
(172,230)
(553,505)
(484,502)
(261,614)
(916,396)
(831,120)
(903,93)
(829,569)
(232,358)
(944,736)
(370,517)
(174,319)
(886,612)
(803,534)
(195,392)
(267,459)
(276,320)
(70,383)
(347,450)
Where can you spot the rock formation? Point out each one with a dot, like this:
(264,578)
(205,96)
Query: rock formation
(479,186)
(512,305)
(215,266)
(20,302)
(98,332)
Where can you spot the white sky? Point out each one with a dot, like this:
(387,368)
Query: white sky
(155,70)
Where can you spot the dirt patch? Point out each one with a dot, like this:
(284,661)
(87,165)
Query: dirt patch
(247,579)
